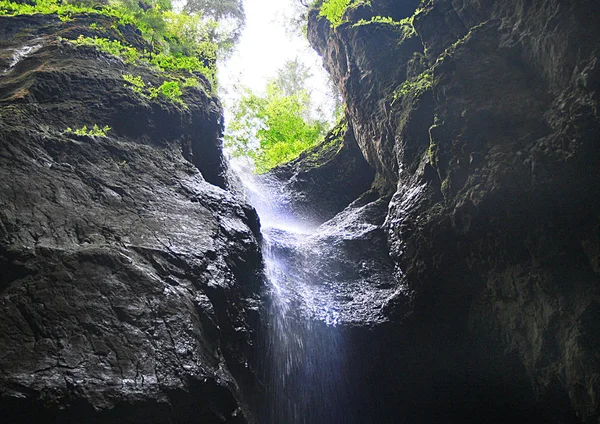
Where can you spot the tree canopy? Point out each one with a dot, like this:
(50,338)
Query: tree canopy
(229,14)
(276,127)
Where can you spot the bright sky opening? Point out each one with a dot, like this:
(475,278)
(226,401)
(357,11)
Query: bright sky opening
(264,47)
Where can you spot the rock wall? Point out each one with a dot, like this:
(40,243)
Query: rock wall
(483,118)
(128,274)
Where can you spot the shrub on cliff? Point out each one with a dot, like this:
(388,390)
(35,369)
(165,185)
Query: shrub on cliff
(334,10)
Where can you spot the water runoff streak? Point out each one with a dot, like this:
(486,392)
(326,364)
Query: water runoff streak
(21,53)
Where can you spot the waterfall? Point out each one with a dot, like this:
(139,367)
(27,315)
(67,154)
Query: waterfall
(302,365)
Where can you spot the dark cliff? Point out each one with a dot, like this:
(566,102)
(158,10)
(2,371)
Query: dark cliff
(482,117)
(127,272)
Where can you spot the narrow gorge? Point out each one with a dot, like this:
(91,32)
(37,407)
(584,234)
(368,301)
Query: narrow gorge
(434,259)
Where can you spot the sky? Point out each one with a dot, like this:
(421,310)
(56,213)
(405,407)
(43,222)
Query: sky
(264,47)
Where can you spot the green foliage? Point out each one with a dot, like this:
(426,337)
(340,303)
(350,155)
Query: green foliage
(65,10)
(190,82)
(229,13)
(178,62)
(334,10)
(405,24)
(113,47)
(377,19)
(180,41)
(328,148)
(218,9)
(174,62)
(274,128)
(416,86)
(408,27)
(93,131)
(170,90)
(136,83)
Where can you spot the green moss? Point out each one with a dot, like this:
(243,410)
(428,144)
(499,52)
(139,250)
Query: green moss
(405,24)
(446,185)
(113,47)
(164,62)
(170,90)
(179,42)
(431,154)
(328,148)
(416,86)
(64,10)
(135,82)
(191,82)
(451,50)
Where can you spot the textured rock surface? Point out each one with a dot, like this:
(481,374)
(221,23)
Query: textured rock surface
(486,118)
(344,265)
(326,178)
(126,277)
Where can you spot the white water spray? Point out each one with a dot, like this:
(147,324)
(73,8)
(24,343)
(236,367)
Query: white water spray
(302,350)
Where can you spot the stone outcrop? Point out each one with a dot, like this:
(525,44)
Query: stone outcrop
(128,274)
(482,116)
(326,178)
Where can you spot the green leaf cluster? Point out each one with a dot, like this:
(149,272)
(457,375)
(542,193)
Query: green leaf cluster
(65,10)
(173,62)
(113,47)
(92,131)
(274,128)
(170,90)
(334,10)
(136,83)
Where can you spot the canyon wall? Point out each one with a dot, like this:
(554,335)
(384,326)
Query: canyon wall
(128,273)
(481,117)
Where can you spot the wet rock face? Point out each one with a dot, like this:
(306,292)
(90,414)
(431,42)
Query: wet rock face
(127,276)
(486,117)
(343,265)
(326,178)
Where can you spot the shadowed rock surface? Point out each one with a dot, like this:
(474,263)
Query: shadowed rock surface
(483,117)
(127,277)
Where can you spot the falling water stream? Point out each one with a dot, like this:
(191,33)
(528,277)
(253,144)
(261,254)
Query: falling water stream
(304,368)
(302,365)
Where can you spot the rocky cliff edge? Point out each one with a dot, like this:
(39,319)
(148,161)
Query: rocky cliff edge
(127,272)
